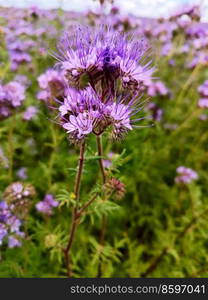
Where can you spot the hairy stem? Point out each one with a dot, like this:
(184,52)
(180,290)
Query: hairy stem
(75,217)
(100,153)
(104,219)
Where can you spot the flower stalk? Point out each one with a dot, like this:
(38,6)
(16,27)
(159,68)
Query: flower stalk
(75,214)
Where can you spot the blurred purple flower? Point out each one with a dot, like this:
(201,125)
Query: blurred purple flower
(52,84)
(157,112)
(30,113)
(22,173)
(185,175)
(84,112)
(9,227)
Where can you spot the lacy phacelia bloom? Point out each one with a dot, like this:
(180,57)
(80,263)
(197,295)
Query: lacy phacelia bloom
(18,196)
(90,56)
(22,173)
(47,205)
(185,175)
(30,113)
(84,112)
(12,95)
(52,85)
(9,227)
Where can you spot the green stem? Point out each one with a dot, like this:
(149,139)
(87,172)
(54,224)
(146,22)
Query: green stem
(104,218)
(11,146)
(75,216)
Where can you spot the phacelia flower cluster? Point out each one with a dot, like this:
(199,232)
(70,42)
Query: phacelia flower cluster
(46,205)
(12,95)
(157,112)
(93,63)
(185,175)
(10,232)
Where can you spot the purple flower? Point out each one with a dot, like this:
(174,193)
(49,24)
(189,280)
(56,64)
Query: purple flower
(13,242)
(22,173)
(157,88)
(186,175)
(90,56)
(46,206)
(50,200)
(14,223)
(84,112)
(52,84)
(107,163)
(203,103)
(30,113)
(82,124)
(157,112)
(17,188)
(120,113)
(203,117)
(17,58)
(3,159)
(15,93)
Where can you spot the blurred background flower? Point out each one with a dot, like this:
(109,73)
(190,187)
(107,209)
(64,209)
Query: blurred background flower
(145,8)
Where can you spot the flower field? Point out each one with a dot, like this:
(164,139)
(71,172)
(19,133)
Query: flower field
(103,144)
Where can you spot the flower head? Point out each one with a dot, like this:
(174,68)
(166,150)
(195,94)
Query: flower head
(185,175)
(52,84)
(46,205)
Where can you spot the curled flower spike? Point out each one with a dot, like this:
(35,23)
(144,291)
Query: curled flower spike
(46,205)
(89,57)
